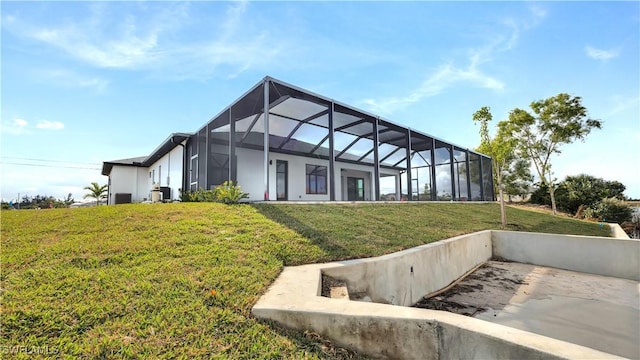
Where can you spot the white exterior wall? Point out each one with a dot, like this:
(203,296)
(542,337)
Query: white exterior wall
(127,179)
(142,189)
(251,176)
(167,171)
(138,181)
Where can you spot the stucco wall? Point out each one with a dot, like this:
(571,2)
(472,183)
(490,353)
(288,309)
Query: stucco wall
(251,176)
(167,171)
(123,179)
(137,181)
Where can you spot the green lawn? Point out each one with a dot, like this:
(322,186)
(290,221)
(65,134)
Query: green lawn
(179,280)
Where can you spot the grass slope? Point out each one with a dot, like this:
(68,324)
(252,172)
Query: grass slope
(179,280)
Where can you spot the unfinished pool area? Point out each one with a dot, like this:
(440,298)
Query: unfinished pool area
(490,294)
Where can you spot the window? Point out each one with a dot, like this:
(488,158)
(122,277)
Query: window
(316,179)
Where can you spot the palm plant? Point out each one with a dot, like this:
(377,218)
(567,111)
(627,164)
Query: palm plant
(96,191)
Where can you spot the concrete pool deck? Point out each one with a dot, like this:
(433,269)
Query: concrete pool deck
(384,330)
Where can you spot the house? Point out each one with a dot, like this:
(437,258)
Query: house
(305,147)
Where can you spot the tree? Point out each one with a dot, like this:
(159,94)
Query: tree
(518,178)
(427,191)
(69,200)
(96,191)
(579,190)
(556,121)
(587,190)
(500,148)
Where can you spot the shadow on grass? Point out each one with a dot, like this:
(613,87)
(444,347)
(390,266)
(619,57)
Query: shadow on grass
(320,238)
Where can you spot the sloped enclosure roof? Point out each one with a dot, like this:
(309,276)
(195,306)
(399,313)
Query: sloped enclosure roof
(299,124)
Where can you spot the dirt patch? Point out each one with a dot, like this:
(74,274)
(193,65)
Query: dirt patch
(490,286)
(331,287)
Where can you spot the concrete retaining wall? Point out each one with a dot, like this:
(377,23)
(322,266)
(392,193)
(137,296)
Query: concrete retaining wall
(403,278)
(397,332)
(595,255)
(617,232)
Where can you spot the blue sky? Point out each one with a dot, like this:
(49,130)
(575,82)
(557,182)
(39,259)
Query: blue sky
(85,82)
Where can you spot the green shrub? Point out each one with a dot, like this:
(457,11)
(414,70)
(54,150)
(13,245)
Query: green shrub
(228,193)
(540,195)
(200,195)
(580,190)
(610,210)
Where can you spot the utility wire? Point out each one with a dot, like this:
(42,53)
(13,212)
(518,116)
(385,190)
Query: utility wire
(45,160)
(51,166)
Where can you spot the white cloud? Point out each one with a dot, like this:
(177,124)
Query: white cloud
(444,77)
(448,75)
(67,78)
(621,104)
(145,39)
(16,127)
(50,125)
(536,15)
(601,54)
(21,126)
(20,123)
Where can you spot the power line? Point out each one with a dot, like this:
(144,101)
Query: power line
(46,160)
(51,166)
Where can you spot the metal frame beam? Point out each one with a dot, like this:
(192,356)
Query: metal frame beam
(367,153)
(206,159)
(317,146)
(278,101)
(391,153)
(393,139)
(348,146)
(469,197)
(434,190)
(398,163)
(422,157)
(409,185)
(453,183)
(266,140)
(300,123)
(481,179)
(233,164)
(357,122)
(376,163)
(323,157)
(379,132)
(253,123)
(495,196)
(332,165)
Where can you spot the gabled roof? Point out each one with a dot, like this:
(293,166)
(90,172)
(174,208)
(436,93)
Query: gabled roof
(145,161)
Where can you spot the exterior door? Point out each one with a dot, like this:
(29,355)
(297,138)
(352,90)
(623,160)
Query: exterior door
(193,173)
(355,189)
(282,186)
